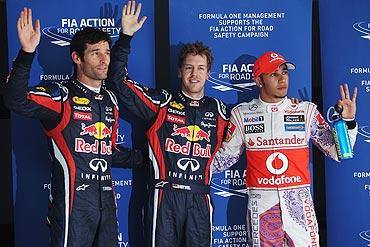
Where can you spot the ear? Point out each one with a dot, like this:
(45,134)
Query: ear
(75,58)
(179,73)
(258,82)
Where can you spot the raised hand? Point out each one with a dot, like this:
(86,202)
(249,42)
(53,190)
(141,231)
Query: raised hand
(29,35)
(348,104)
(130,16)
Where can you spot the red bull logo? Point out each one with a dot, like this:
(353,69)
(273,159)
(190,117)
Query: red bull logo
(99,130)
(192,133)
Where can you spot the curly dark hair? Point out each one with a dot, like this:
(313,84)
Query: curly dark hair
(88,35)
(197,48)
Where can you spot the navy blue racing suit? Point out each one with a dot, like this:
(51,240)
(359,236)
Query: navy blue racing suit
(81,127)
(183,137)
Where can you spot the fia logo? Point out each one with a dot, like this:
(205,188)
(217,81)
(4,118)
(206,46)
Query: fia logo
(364,131)
(364,28)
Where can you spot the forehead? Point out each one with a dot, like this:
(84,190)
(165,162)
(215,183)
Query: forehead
(192,59)
(281,68)
(103,45)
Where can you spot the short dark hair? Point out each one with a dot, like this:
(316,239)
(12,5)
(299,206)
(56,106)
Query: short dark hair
(88,35)
(197,48)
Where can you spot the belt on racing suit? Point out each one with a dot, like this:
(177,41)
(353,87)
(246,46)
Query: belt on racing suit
(185,187)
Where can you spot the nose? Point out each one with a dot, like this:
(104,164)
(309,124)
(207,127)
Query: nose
(104,58)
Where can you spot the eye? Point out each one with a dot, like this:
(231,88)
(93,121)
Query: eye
(285,72)
(273,74)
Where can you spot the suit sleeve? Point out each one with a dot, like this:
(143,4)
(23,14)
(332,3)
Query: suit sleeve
(231,148)
(127,158)
(40,102)
(138,99)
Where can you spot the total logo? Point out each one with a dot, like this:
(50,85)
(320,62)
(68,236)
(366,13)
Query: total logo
(96,163)
(184,163)
(99,130)
(192,133)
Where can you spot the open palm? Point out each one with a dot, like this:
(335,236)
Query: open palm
(130,16)
(29,35)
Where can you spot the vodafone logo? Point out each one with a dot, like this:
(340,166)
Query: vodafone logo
(273,160)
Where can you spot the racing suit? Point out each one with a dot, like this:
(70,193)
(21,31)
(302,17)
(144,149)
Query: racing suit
(183,137)
(276,140)
(81,127)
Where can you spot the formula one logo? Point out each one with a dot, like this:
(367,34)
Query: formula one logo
(184,163)
(99,130)
(364,131)
(62,33)
(96,163)
(364,28)
(192,132)
(235,76)
(365,235)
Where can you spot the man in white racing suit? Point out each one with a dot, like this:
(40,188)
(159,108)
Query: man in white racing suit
(275,134)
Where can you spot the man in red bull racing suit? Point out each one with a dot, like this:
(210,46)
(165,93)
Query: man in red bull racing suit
(80,120)
(186,129)
(275,134)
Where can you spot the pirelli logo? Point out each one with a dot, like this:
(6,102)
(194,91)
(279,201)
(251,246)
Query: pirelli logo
(254,128)
(294,118)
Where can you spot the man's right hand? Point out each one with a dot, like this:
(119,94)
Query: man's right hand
(130,16)
(28,35)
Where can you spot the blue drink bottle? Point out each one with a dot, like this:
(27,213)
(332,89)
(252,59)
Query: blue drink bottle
(340,131)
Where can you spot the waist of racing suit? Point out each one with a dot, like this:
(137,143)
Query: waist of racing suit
(180,186)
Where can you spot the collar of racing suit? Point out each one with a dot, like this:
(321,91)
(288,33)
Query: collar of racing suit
(89,93)
(274,107)
(190,100)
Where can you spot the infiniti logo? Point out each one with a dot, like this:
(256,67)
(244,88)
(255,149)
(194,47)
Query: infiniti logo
(184,163)
(95,163)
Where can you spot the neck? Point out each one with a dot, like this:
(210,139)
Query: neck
(89,81)
(193,96)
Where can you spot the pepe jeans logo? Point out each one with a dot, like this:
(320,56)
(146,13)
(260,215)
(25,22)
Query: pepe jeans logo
(363,27)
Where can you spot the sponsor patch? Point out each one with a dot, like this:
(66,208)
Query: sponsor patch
(176,105)
(254,128)
(295,127)
(293,118)
(77,115)
(230,131)
(175,119)
(253,119)
(81,101)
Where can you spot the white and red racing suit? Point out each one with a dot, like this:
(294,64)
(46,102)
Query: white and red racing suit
(276,140)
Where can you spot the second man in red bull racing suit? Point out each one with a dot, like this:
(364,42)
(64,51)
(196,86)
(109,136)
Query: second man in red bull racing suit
(186,129)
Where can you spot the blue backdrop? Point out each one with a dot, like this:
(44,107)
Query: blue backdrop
(345,49)
(31,163)
(238,32)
